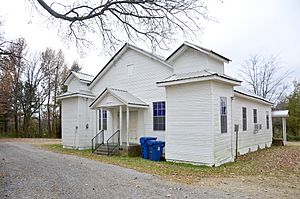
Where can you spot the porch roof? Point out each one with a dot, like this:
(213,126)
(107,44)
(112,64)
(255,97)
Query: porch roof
(77,94)
(280,113)
(122,96)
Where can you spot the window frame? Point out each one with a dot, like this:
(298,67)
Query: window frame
(244,119)
(104,115)
(254,116)
(159,115)
(223,115)
(267,120)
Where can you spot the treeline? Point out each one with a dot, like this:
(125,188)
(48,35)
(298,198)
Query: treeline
(291,103)
(29,86)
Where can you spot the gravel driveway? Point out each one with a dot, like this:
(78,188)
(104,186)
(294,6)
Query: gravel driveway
(29,172)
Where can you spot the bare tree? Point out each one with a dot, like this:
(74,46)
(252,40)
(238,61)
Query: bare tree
(48,65)
(153,22)
(59,72)
(15,65)
(3,43)
(265,77)
(32,94)
(53,67)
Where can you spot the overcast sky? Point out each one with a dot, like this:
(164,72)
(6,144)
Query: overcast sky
(244,27)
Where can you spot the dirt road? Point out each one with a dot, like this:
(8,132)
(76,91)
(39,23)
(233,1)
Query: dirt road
(30,172)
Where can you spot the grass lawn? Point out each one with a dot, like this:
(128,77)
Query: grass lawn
(275,162)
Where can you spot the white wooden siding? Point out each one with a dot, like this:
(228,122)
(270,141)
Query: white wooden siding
(192,60)
(76,117)
(110,100)
(141,80)
(86,123)
(222,141)
(189,134)
(75,86)
(69,122)
(248,140)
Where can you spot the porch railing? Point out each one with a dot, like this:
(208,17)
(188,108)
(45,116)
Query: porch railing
(98,140)
(113,142)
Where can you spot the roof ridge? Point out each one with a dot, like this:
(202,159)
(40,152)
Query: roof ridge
(116,89)
(198,46)
(132,47)
(146,51)
(207,51)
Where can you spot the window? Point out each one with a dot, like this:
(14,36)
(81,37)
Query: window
(130,70)
(159,116)
(268,119)
(255,116)
(223,113)
(104,115)
(244,116)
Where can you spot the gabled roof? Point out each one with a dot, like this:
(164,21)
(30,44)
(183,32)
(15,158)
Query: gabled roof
(197,76)
(126,47)
(83,77)
(123,96)
(242,91)
(206,51)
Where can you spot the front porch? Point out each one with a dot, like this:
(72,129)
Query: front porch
(119,121)
(279,134)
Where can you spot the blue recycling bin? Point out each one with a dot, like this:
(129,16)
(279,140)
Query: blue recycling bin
(155,149)
(144,145)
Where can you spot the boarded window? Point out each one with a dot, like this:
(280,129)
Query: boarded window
(159,116)
(223,113)
(104,116)
(255,116)
(244,118)
(267,119)
(130,70)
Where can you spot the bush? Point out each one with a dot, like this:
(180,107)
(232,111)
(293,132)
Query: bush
(293,138)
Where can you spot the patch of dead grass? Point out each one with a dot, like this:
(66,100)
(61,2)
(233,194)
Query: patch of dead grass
(280,163)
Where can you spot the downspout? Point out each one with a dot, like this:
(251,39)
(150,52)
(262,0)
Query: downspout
(213,121)
(232,98)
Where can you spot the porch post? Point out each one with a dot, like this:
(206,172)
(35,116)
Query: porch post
(127,118)
(120,125)
(284,130)
(101,117)
(97,121)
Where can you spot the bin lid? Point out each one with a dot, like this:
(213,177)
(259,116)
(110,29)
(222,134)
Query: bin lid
(156,143)
(145,139)
(151,142)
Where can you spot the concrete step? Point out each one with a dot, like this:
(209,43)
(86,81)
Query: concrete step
(103,150)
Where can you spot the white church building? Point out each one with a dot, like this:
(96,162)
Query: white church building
(185,100)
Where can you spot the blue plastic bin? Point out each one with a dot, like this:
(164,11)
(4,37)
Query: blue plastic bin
(144,145)
(155,149)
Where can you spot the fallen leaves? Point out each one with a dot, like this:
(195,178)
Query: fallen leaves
(279,163)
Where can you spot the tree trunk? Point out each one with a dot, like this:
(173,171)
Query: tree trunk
(59,124)
(40,121)
(16,123)
(48,109)
(54,129)
(5,120)
(26,123)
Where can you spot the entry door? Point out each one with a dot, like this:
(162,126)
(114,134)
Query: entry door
(133,119)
